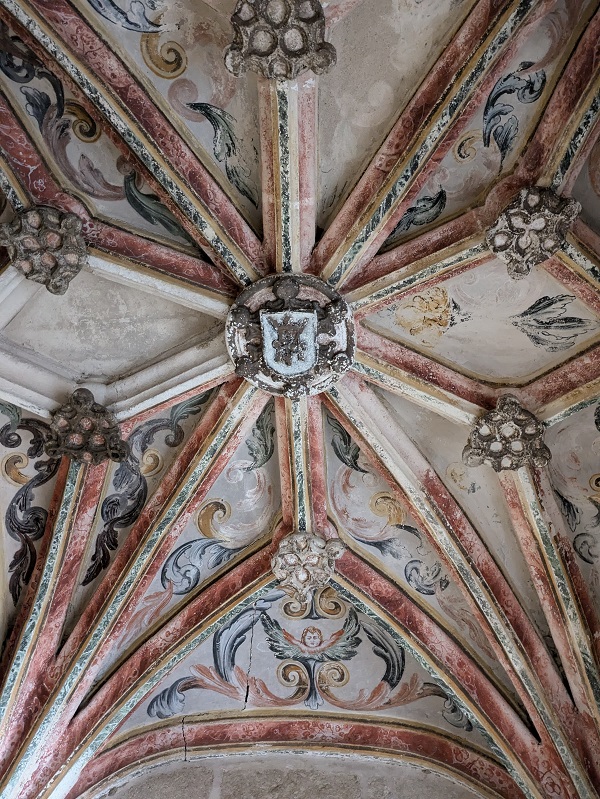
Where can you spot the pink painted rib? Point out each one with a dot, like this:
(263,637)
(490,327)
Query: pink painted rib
(77,37)
(563,101)
(427,746)
(408,126)
(425,369)
(453,661)
(588,737)
(484,566)
(42,188)
(41,676)
(569,376)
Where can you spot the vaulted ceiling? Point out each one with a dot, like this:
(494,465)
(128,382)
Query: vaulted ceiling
(149,649)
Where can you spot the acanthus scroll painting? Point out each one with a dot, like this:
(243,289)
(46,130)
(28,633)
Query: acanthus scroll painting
(293,470)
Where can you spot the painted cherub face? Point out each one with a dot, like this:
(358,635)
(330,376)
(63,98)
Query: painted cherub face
(312,638)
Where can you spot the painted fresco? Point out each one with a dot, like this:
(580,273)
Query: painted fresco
(175,51)
(523,328)
(431,613)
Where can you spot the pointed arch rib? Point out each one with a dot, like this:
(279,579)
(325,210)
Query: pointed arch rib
(539,526)
(100,720)
(302,466)
(153,533)
(416,745)
(35,184)
(90,64)
(511,634)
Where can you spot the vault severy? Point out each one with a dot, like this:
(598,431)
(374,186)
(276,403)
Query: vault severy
(416,642)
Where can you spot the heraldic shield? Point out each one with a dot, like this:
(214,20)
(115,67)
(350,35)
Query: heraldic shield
(289,341)
(290,334)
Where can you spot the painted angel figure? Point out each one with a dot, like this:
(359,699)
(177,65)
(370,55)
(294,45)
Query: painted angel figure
(312,649)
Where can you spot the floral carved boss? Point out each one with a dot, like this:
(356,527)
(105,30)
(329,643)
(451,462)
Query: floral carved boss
(46,246)
(531,229)
(279,38)
(85,431)
(507,438)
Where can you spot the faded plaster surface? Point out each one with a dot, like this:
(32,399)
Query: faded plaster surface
(101,329)
(286,776)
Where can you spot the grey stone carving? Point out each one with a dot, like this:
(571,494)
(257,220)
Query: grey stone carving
(290,334)
(279,38)
(304,563)
(531,229)
(85,431)
(507,438)
(46,246)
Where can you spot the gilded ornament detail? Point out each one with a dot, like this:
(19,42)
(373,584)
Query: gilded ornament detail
(85,431)
(507,438)
(279,38)
(304,563)
(531,229)
(46,246)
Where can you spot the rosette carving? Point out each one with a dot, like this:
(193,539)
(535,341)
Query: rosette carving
(507,438)
(305,563)
(279,38)
(531,229)
(85,431)
(45,246)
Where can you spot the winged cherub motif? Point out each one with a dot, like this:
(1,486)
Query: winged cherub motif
(312,649)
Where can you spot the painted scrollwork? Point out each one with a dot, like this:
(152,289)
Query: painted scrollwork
(507,438)
(312,664)
(223,536)
(279,38)
(46,246)
(24,521)
(531,229)
(122,508)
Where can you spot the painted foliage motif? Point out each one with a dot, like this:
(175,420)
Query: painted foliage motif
(196,52)
(367,511)
(522,327)
(307,655)
(66,127)
(121,508)
(576,481)
(25,519)
(242,509)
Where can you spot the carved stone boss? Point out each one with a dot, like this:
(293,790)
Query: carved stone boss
(46,246)
(507,438)
(279,38)
(85,431)
(531,229)
(290,334)
(304,563)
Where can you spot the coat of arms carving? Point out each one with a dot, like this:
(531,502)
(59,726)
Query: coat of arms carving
(291,334)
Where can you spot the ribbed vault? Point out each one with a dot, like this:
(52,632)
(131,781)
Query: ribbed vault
(456,647)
